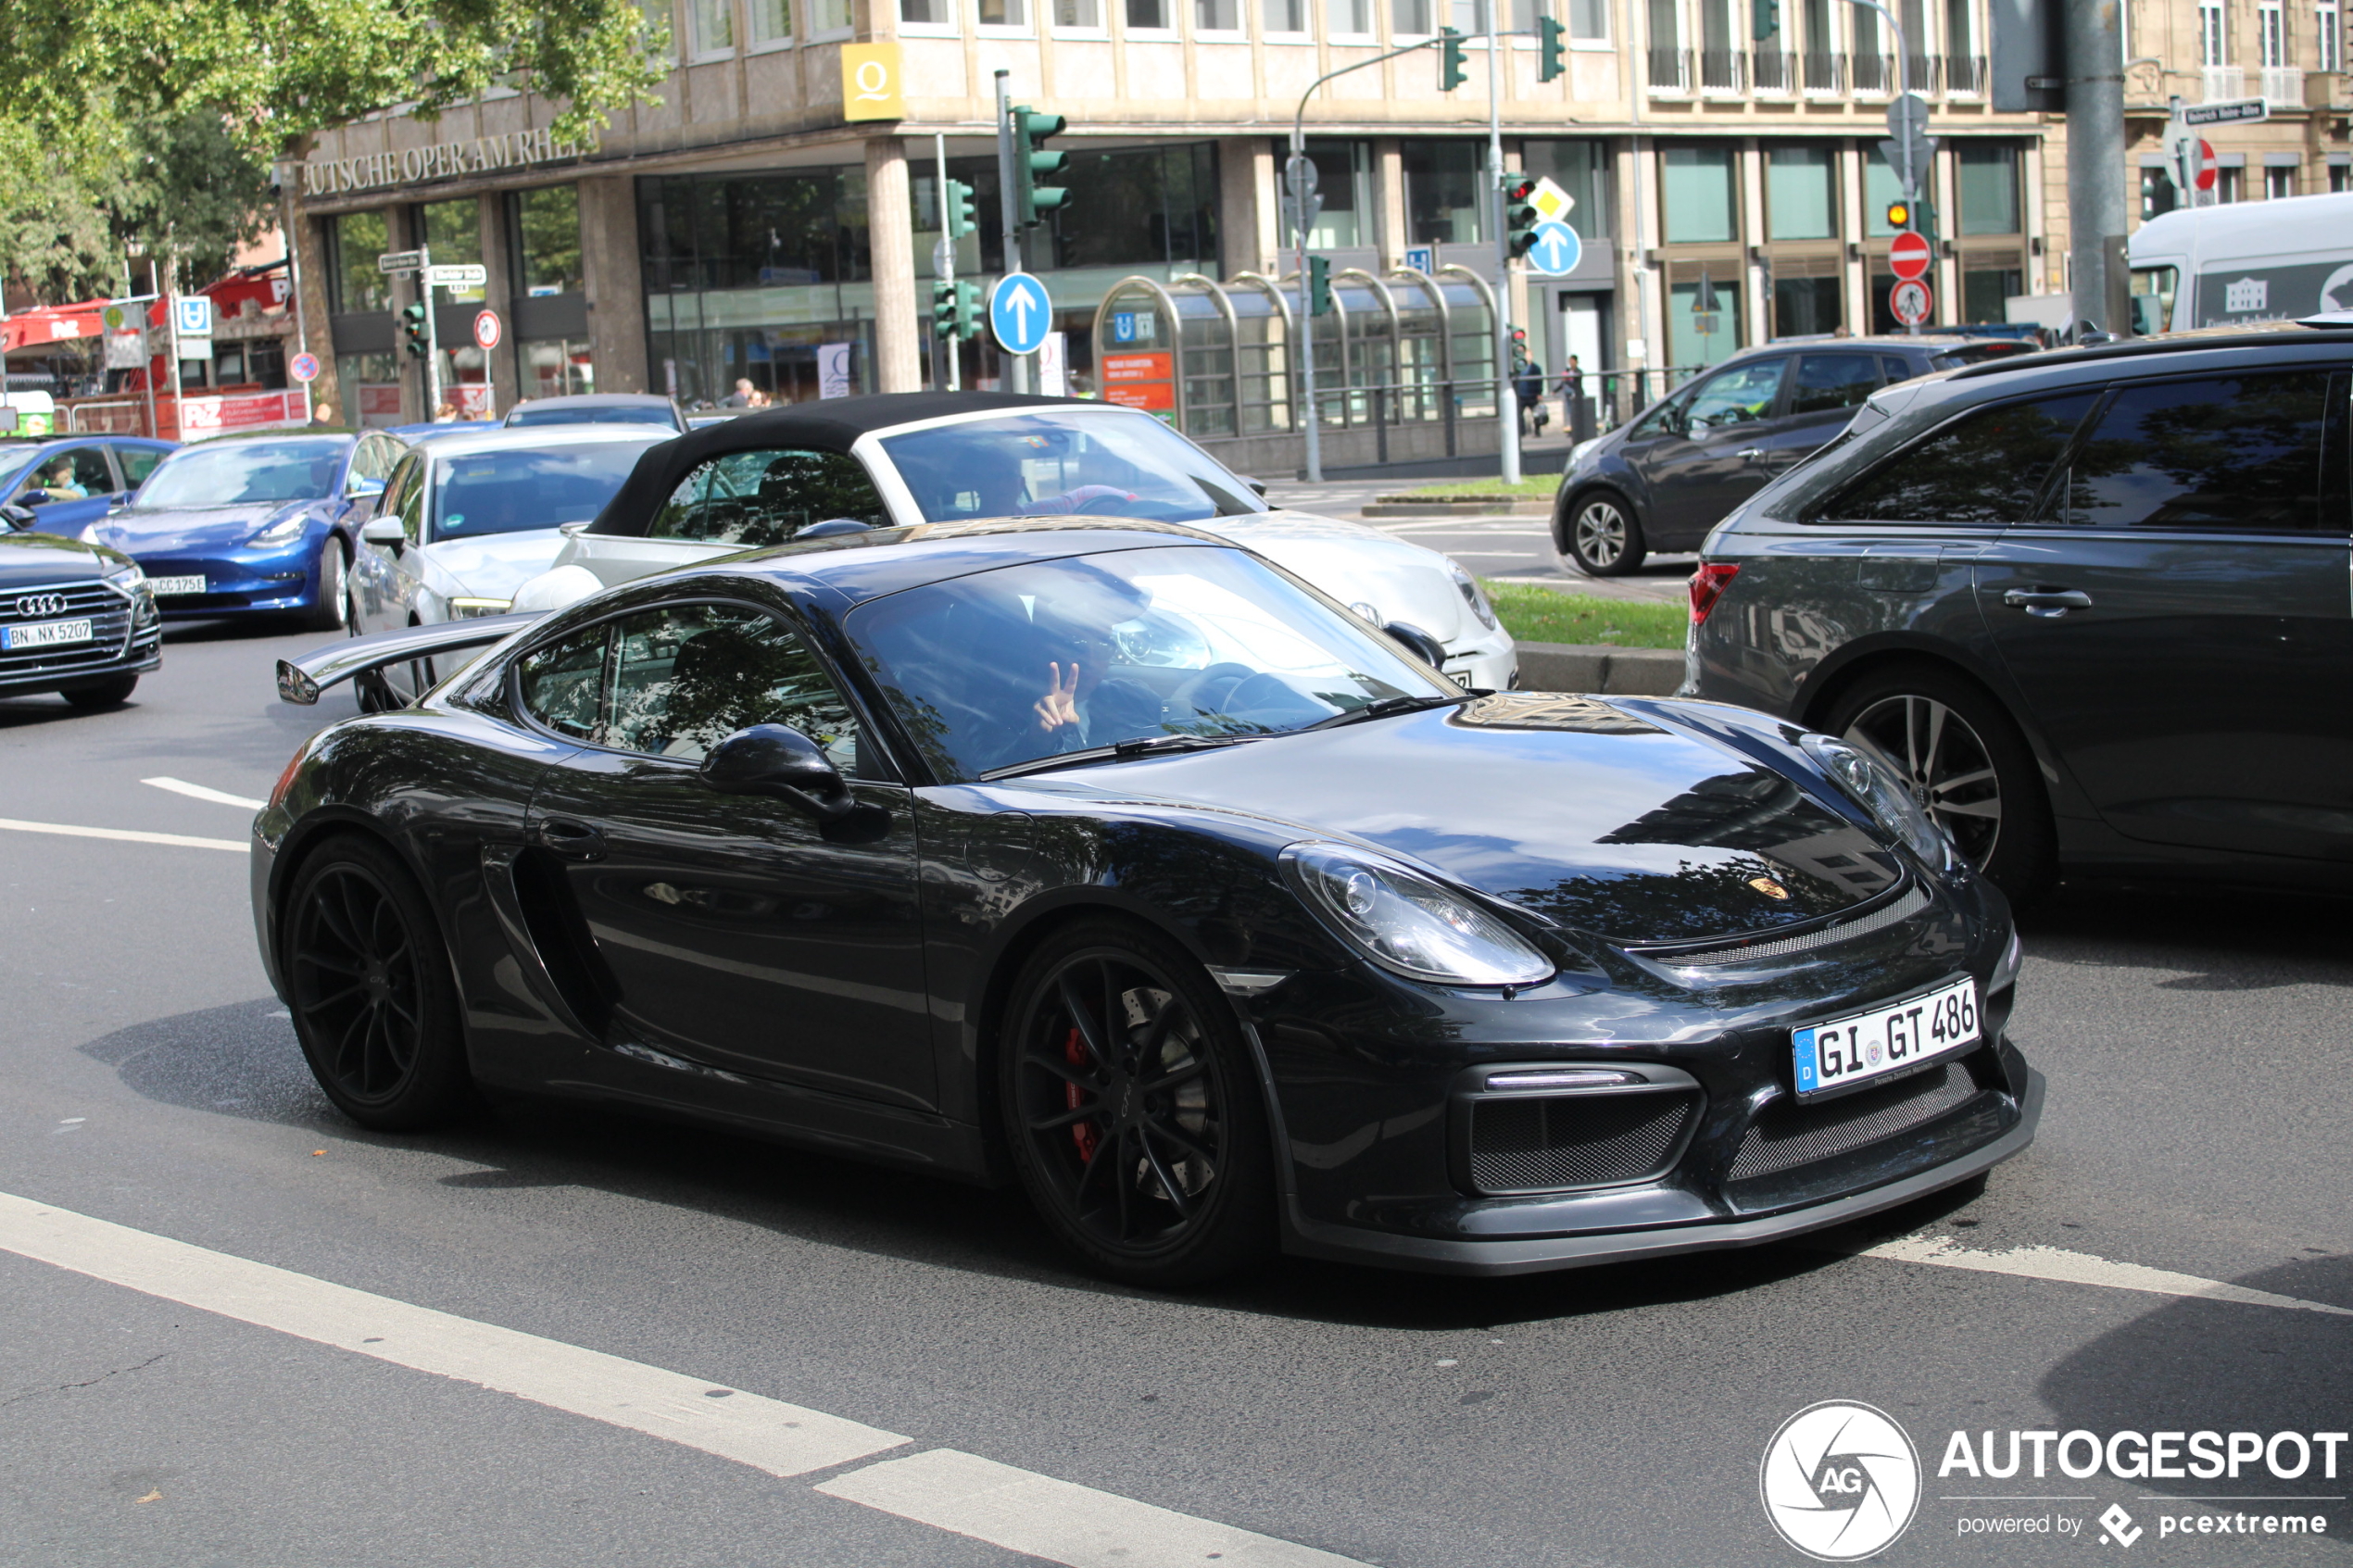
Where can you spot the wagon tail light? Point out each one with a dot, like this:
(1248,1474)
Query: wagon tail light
(1708,584)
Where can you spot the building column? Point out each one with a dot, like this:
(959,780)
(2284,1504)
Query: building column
(1389,190)
(497,296)
(890,242)
(310,304)
(1242,222)
(611,275)
(1750,161)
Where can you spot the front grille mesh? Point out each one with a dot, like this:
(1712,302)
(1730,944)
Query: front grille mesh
(110,614)
(1904,908)
(1540,1143)
(1788,1135)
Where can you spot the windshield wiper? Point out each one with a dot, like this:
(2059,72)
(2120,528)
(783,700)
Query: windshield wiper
(1120,751)
(1383,708)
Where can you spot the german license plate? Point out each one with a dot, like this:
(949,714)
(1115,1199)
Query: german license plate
(165,587)
(1887,1039)
(47,635)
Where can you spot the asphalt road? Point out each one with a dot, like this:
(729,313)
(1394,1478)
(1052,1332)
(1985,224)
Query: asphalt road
(2197,1048)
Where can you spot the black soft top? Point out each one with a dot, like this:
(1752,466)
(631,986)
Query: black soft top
(833,425)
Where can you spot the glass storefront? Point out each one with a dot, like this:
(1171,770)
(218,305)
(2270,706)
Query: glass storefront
(545,226)
(453,230)
(1696,188)
(1582,169)
(1444,201)
(355,283)
(370,385)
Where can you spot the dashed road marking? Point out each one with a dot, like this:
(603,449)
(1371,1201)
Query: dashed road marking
(127,836)
(2083,1268)
(205,792)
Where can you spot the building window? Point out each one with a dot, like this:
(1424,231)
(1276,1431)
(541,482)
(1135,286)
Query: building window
(1986,290)
(1801,193)
(1138,206)
(2230,184)
(2213,46)
(1987,183)
(1443,203)
(922,13)
(662,37)
(1004,13)
(1582,169)
(1148,16)
(833,15)
(1589,21)
(1350,19)
(556,368)
(1880,187)
(1350,217)
(1217,16)
(1960,30)
(546,223)
(772,21)
(1696,191)
(2271,37)
(1080,16)
(453,229)
(1666,34)
(2158,195)
(2279,180)
(354,241)
(2340,178)
(712,23)
(371,387)
(1287,17)
(2328,32)
(1704,313)
(1409,19)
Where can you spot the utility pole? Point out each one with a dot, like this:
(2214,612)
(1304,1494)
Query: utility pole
(1009,210)
(433,335)
(2095,57)
(948,374)
(1507,396)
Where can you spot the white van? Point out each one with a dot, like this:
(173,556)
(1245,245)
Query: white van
(2248,261)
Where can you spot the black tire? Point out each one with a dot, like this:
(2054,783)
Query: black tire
(332,610)
(1120,1059)
(1602,538)
(369,983)
(1966,761)
(93,695)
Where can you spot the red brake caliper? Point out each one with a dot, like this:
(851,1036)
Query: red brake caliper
(1083,1134)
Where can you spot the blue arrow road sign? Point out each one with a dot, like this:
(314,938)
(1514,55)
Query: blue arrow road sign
(1556,251)
(1019,313)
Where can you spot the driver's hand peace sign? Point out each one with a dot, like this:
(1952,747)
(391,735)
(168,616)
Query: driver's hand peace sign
(1058,706)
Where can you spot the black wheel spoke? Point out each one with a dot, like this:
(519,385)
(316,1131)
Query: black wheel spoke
(1185,1074)
(1157,1128)
(1087,1112)
(1091,1083)
(1079,1019)
(1167,1178)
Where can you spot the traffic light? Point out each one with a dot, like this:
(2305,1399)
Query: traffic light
(958,216)
(1764,19)
(1520,217)
(1899,214)
(1552,51)
(967,309)
(1319,285)
(1033,163)
(955,309)
(413,328)
(1454,61)
(1519,349)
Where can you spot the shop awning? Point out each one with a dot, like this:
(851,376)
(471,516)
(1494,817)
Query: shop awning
(51,324)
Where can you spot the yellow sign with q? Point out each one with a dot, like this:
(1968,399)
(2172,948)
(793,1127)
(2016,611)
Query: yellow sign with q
(870,78)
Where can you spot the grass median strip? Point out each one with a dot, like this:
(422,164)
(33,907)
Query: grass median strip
(1534,487)
(1540,615)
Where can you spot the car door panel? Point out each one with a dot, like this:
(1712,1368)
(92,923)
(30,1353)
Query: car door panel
(1713,459)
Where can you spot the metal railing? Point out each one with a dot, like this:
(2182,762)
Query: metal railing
(111,416)
(1964,75)
(1670,72)
(1723,72)
(1874,75)
(2223,82)
(1775,72)
(1825,74)
(2283,85)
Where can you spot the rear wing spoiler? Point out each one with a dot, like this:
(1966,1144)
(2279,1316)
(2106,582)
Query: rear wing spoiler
(301,680)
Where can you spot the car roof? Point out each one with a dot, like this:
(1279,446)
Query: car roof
(832,425)
(2253,335)
(239,437)
(522,438)
(597,399)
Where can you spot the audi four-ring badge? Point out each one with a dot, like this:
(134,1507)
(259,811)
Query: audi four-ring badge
(76,618)
(1106,858)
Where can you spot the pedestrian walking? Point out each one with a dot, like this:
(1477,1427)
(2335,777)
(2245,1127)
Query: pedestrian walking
(1529,385)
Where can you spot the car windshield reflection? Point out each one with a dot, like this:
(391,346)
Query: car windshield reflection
(503,492)
(1014,668)
(1092,462)
(247,474)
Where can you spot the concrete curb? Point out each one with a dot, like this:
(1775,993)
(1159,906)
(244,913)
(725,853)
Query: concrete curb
(1501,506)
(1577,667)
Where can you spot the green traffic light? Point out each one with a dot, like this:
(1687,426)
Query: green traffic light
(1520,217)
(1319,285)
(1765,19)
(1454,61)
(1552,49)
(958,215)
(1032,163)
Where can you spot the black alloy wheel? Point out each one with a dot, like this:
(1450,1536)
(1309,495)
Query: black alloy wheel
(1603,539)
(1965,763)
(331,611)
(1134,1116)
(367,981)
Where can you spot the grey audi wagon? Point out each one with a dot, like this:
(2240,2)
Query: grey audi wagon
(2096,607)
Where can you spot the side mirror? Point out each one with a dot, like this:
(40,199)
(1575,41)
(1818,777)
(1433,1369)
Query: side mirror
(779,761)
(1418,642)
(17,516)
(384,530)
(832,528)
(34,498)
(121,498)
(358,487)
(1258,487)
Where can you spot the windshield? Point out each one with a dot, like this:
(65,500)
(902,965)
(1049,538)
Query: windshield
(246,473)
(597,414)
(1027,662)
(1099,462)
(502,491)
(13,461)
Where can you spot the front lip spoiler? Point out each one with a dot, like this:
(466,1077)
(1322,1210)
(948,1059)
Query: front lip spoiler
(1347,1243)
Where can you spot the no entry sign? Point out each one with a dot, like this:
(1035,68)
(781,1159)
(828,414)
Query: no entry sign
(1909,256)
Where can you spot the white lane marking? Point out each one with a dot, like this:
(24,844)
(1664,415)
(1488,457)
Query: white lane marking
(2083,1268)
(200,792)
(1077,1525)
(235,845)
(767,1434)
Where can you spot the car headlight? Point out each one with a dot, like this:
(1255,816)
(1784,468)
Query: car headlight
(1404,921)
(285,531)
(126,575)
(1876,789)
(1466,585)
(469,609)
(1583,450)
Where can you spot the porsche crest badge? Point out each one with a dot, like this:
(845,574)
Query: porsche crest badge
(1768,887)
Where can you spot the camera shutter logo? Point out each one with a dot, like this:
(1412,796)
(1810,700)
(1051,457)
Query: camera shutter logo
(1839,1480)
(32,606)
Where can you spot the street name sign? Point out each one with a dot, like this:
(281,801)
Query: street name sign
(394,262)
(1020,313)
(458,275)
(1909,256)
(2238,111)
(1556,251)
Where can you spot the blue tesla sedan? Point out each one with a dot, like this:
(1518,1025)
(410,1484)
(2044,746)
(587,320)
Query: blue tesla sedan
(67,483)
(254,525)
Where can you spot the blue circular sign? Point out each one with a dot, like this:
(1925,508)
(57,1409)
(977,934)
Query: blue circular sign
(1019,313)
(1556,251)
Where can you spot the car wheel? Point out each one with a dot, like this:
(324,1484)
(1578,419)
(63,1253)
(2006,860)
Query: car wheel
(368,984)
(1964,761)
(332,610)
(101,693)
(1132,1109)
(1603,539)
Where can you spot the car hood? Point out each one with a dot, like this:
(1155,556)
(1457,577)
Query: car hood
(1577,812)
(493,566)
(174,530)
(1359,564)
(29,558)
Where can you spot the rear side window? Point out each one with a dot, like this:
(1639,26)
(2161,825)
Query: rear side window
(2237,452)
(1895,368)
(1986,469)
(137,462)
(754,500)
(1827,383)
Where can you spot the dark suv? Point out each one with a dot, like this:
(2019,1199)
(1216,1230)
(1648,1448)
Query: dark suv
(2094,608)
(1661,481)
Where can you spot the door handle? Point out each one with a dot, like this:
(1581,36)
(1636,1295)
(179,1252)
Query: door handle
(1749,454)
(574,841)
(2050,603)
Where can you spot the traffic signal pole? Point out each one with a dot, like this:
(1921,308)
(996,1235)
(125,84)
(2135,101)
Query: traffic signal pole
(1009,208)
(1507,396)
(433,338)
(2096,272)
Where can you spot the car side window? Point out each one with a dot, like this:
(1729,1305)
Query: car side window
(1743,394)
(137,462)
(686,677)
(1895,368)
(562,685)
(405,496)
(2241,452)
(1827,383)
(1666,419)
(73,475)
(1986,469)
(765,497)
